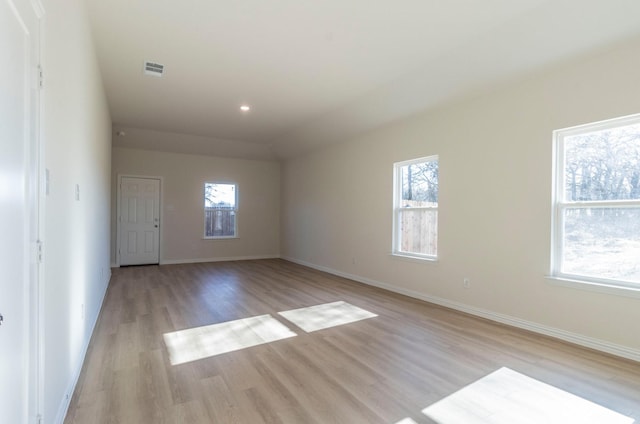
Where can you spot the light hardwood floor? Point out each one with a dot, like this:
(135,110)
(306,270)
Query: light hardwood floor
(378,370)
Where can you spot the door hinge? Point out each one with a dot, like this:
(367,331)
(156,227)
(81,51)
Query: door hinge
(40,77)
(39,249)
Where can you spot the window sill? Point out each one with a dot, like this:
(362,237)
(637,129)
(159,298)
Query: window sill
(595,286)
(412,258)
(220,238)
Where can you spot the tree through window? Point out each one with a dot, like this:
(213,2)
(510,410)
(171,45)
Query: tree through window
(220,210)
(415,226)
(597,202)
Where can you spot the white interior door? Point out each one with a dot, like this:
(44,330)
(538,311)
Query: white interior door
(18,208)
(139,221)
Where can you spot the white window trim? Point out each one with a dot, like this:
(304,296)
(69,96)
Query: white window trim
(235,209)
(559,204)
(594,285)
(397,188)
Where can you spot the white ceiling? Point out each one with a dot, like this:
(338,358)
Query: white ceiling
(318,71)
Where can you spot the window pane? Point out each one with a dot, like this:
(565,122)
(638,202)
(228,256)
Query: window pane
(220,222)
(603,165)
(219,210)
(602,242)
(419,184)
(219,195)
(418,231)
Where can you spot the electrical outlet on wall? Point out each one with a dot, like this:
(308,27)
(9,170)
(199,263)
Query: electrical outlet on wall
(466,283)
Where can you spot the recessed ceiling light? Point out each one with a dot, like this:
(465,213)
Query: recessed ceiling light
(245,108)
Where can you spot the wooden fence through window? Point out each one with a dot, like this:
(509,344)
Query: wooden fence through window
(220,222)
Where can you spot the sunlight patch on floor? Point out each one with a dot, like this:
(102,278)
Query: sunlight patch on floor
(319,317)
(202,342)
(406,421)
(506,397)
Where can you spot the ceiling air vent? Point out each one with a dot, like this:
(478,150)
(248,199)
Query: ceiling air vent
(152,68)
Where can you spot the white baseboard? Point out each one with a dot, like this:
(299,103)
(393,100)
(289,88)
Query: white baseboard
(224,259)
(578,339)
(66,400)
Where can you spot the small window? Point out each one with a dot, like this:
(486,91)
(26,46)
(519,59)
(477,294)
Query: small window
(415,208)
(596,230)
(220,210)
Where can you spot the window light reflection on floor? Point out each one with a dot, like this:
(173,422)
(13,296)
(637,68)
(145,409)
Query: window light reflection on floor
(202,342)
(406,421)
(506,396)
(319,317)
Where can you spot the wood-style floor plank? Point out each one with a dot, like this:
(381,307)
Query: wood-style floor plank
(378,370)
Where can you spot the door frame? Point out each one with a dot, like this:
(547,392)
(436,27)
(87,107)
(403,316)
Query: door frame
(35,200)
(118,215)
(31,14)
(38,195)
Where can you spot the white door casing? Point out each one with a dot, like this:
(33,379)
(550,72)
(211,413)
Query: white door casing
(19,211)
(139,220)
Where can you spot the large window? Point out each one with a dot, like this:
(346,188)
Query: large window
(220,210)
(415,208)
(596,230)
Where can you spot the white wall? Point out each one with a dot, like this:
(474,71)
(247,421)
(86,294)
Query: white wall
(495,202)
(76,132)
(182,220)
